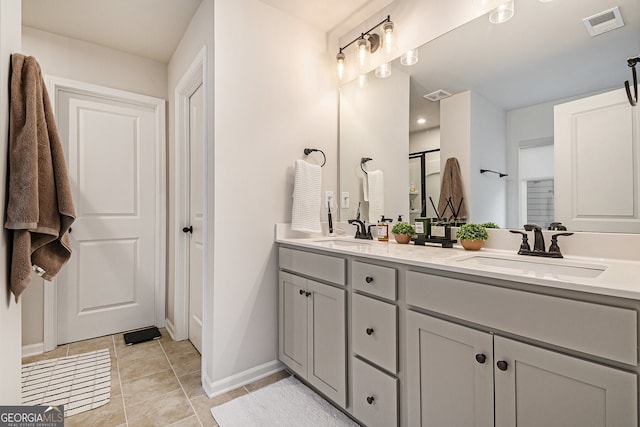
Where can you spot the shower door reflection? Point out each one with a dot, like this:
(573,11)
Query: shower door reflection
(424,182)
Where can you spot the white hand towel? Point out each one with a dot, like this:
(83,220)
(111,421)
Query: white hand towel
(375,194)
(305,215)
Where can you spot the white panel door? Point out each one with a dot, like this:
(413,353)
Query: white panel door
(108,285)
(597,163)
(196,215)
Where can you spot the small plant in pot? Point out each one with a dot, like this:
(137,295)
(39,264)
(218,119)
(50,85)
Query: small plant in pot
(472,236)
(402,232)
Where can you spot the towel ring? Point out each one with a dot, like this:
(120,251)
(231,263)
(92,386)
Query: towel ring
(633,100)
(364,160)
(308,151)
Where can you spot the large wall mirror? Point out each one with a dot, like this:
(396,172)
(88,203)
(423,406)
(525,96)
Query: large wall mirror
(543,56)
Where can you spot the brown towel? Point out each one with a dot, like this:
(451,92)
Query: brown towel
(40,209)
(451,186)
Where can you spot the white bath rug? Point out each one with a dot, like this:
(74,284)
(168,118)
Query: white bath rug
(286,403)
(80,382)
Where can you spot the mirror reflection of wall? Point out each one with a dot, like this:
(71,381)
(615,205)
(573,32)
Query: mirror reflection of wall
(374,124)
(542,57)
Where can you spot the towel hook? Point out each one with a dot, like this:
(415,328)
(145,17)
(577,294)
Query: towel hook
(631,62)
(308,151)
(364,160)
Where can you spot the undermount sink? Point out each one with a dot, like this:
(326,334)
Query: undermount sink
(555,267)
(341,241)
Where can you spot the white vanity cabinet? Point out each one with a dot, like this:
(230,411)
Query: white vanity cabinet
(312,322)
(374,342)
(454,372)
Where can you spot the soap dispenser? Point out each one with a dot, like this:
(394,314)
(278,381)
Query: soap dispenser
(383,229)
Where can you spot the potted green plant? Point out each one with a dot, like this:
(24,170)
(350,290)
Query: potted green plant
(490,225)
(402,232)
(472,236)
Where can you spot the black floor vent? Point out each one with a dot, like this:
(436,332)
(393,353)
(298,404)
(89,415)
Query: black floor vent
(142,335)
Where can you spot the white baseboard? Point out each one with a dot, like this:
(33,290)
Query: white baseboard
(32,349)
(170,329)
(224,385)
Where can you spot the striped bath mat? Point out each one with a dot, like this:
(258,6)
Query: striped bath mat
(80,382)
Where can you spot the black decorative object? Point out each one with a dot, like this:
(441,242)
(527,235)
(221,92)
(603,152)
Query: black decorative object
(500,174)
(308,151)
(633,100)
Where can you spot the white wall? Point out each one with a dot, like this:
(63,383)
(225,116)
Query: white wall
(86,62)
(374,123)
(10,321)
(274,95)
(91,63)
(428,139)
(488,151)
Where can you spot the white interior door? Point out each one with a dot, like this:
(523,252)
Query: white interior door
(109,284)
(196,215)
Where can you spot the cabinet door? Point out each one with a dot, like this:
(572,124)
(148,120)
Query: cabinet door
(292,323)
(539,387)
(449,374)
(327,336)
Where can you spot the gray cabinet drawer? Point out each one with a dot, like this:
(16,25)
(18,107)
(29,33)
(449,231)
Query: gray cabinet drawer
(375,396)
(374,279)
(601,330)
(374,331)
(324,267)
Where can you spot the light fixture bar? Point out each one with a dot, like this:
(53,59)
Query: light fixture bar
(388,19)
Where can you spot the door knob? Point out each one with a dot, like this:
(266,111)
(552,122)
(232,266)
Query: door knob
(481,358)
(368,279)
(370,400)
(188,229)
(301,291)
(369,331)
(307,294)
(502,365)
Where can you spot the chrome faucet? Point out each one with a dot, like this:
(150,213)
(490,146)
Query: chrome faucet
(538,243)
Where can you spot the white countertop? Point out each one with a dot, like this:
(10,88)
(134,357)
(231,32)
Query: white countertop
(620,278)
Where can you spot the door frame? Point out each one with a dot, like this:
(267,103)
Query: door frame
(54,86)
(190,81)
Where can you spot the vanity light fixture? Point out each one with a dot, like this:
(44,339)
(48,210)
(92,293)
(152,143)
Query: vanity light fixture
(362,52)
(367,43)
(410,57)
(340,58)
(421,121)
(502,13)
(387,29)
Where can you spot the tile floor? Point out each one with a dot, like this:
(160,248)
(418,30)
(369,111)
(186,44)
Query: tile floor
(156,383)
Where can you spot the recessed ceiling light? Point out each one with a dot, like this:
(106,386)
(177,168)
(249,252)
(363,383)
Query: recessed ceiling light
(421,121)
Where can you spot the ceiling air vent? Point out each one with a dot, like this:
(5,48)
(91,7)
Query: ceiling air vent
(437,95)
(604,21)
